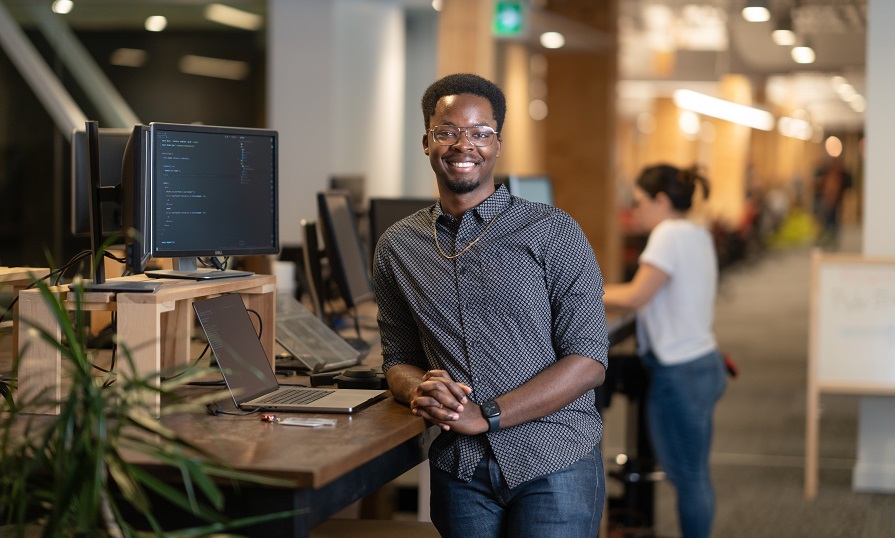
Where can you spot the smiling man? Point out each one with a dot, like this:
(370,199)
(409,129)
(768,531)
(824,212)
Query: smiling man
(493,328)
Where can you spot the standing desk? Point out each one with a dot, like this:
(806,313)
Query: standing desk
(325,469)
(154,327)
(328,468)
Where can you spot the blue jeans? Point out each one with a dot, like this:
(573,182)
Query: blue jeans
(680,405)
(567,503)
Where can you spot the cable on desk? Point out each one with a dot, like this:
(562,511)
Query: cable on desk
(214,409)
(204,351)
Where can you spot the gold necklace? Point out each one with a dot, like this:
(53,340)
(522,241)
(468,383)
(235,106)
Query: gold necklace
(467,247)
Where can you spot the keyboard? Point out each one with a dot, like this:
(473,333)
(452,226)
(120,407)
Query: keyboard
(293,396)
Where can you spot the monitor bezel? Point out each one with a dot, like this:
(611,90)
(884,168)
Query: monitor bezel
(110,139)
(156,252)
(337,249)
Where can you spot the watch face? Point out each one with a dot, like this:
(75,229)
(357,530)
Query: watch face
(490,409)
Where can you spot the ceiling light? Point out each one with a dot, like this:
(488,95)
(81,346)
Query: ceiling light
(437,5)
(156,23)
(537,109)
(213,67)
(803,53)
(795,128)
(756,11)
(783,34)
(724,110)
(688,123)
(62,7)
(128,57)
(784,38)
(231,16)
(552,40)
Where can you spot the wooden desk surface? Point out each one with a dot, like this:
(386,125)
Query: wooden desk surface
(21,275)
(308,457)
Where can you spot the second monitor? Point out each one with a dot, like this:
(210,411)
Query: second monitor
(213,192)
(532,188)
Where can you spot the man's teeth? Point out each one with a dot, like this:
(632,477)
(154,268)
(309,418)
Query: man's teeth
(463,165)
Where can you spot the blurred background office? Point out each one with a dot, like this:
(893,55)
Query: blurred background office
(762,94)
(597,90)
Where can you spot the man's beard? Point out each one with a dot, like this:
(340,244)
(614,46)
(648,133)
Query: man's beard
(462,187)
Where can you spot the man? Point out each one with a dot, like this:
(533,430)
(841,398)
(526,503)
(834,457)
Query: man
(493,328)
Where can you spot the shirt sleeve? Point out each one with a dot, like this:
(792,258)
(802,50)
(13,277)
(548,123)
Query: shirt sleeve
(397,326)
(659,250)
(575,285)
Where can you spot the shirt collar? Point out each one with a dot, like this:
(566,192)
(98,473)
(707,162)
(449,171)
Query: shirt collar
(489,208)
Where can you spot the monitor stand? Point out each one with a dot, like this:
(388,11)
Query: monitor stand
(185,268)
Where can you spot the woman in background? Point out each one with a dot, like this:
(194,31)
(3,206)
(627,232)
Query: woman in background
(673,292)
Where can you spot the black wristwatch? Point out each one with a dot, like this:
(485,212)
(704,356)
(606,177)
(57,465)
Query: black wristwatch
(491,412)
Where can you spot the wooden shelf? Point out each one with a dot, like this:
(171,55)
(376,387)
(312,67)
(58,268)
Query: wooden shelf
(155,328)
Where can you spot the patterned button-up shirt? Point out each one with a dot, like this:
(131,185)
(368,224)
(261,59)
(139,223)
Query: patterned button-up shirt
(526,294)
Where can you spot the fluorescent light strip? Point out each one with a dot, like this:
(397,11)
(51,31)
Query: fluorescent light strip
(724,110)
(128,57)
(213,67)
(230,16)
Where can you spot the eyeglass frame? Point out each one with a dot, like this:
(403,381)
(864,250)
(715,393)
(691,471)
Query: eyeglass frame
(464,131)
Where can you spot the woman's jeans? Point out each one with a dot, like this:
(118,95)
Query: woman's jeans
(680,405)
(565,504)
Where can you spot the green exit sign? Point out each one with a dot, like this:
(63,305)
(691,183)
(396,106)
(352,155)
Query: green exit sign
(508,18)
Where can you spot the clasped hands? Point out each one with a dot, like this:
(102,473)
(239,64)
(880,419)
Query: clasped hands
(443,401)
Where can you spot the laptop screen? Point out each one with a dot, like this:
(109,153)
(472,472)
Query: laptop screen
(236,346)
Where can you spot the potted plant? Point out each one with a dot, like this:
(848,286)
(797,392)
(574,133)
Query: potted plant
(69,475)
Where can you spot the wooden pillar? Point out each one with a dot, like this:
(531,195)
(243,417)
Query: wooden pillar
(727,169)
(580,132)
(523,137)
(667,144)
(465,44)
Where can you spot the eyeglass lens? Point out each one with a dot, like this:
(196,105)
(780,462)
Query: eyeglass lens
(448,135)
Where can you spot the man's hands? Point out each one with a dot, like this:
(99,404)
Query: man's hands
(443,401)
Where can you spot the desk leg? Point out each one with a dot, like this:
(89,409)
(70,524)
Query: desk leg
(40,362)
(177,329)
(139,331)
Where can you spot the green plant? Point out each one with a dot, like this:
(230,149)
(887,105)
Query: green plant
(69,473)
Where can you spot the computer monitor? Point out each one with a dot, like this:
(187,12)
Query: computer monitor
(312,266)
(386,211)
(99,193)
(111,148)
(355,186)
(532,188)
(344,249)
(135,208)
(213,192)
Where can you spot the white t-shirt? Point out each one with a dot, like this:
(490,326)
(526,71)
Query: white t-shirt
(676,324)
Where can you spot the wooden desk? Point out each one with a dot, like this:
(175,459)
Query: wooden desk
(19,278)
(155,327)
(329,468)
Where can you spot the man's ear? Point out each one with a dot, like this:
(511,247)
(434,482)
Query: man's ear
(426,143)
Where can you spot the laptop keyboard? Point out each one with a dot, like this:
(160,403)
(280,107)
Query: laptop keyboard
(293,396)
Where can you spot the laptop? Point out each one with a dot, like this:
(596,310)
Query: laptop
(311,343)
(247,371)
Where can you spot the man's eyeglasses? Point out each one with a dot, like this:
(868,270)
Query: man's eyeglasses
(478,135)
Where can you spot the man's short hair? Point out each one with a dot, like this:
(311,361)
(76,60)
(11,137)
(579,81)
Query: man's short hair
(461,83)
